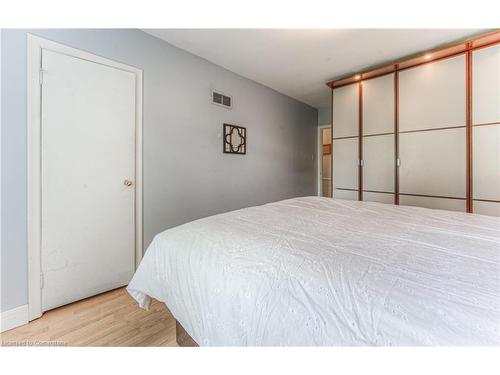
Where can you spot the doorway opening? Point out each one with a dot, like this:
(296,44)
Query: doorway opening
(325,161)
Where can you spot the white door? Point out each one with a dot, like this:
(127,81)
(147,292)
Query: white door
(88,173)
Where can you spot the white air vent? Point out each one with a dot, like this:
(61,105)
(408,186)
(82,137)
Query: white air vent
(221,99)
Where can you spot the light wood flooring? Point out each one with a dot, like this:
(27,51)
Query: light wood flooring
(108,319)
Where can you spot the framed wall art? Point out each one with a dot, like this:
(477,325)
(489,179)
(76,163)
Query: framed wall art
(235,139)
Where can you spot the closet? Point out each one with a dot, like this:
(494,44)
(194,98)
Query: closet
(422,132)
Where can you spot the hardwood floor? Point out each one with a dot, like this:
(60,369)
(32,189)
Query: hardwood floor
(108,319)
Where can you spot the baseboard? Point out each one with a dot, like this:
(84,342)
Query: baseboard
(13,318)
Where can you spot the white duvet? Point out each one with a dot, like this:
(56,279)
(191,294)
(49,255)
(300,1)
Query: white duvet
(320,271)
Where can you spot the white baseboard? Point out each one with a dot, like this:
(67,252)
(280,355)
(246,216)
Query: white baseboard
(13,318)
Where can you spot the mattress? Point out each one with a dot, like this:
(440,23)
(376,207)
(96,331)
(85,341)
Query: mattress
(327,272)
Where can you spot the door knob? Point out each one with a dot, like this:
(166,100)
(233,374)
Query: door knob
(127,183)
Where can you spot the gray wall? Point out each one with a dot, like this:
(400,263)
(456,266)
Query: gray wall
(324,116)
(186,175)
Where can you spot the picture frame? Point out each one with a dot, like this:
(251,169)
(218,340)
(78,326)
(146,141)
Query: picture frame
(234,139)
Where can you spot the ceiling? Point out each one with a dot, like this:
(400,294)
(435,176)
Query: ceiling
(298,62)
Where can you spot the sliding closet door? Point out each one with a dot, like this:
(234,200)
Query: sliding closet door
(378,139)
(486,130)
(432,134)
(345,141)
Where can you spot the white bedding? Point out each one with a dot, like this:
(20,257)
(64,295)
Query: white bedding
(320,271)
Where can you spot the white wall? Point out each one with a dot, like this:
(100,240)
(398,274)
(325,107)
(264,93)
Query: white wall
(186,175)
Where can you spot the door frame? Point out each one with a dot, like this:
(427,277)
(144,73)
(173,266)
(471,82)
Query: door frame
(319,145)
(35,45)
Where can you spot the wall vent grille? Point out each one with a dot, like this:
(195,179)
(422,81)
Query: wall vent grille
(221,99)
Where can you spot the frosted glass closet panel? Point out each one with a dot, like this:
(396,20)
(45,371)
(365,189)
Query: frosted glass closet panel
(433,163)
(345,194)
(486,208)
(486,162)
(345,111)
(486,138)
(378,167)
(436,203)
(378,105)
(486,85)
(378,197)
(345,163)
(433,95)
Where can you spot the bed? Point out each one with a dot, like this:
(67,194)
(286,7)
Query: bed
(315,271)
